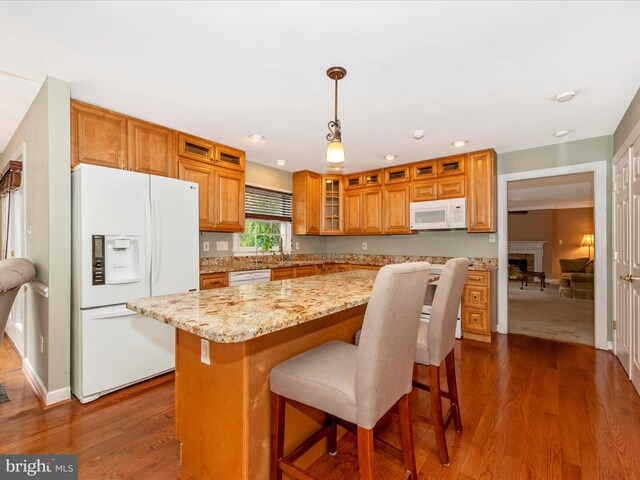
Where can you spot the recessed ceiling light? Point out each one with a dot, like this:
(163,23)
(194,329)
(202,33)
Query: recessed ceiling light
(565,96)
(418,134)
(459,143)
(256,137)
(562,133)
(390,157)
(281,161)
(336,167)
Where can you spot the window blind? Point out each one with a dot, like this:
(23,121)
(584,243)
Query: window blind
(264,204)
(11,178)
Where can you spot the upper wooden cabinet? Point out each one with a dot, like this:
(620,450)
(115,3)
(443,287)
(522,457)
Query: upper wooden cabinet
(396,208)
(399,174)
(203,175)
(450,166)
(364,179)
(363,211)
(481,175)
(150,148)
(307,190)
(426,170)
(228,157)
(195,148)
(98,136)
(332,193)
(228,203)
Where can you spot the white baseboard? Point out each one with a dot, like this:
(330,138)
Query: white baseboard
(48,398)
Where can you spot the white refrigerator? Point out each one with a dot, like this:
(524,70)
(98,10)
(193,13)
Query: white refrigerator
(134,235)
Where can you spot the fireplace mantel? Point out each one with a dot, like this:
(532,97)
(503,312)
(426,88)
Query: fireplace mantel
(532,247)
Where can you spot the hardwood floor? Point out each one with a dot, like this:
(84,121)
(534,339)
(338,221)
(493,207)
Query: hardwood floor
(530,409)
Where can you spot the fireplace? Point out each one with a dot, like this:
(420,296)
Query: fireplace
(520,263)
(529,251)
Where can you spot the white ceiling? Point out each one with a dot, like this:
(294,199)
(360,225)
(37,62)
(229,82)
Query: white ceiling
(480,71)
(562,191)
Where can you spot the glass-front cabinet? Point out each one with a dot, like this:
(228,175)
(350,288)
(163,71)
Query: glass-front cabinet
(332,188)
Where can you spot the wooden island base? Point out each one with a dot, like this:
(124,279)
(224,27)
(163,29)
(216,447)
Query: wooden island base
(223,409)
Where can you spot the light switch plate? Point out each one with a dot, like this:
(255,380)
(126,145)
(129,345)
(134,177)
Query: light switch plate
(205,356)
(492,238)
(364,245)
(205,246)
(222,246)
(297,245)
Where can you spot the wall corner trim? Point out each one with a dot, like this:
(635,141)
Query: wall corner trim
(47,398)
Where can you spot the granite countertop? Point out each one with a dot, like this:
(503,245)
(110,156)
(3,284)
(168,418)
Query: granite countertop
(238,314)
(247,266)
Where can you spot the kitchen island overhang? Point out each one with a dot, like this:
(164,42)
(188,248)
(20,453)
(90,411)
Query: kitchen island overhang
(223,408)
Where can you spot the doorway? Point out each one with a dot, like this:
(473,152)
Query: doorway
(598,251)
(12,216)
(551,279)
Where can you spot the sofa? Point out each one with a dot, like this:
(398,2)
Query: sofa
(576,278)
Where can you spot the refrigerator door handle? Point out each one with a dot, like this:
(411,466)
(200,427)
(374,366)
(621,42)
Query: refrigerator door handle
(147,230)
(156,239)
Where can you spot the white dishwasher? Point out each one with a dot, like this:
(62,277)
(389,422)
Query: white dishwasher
(249,277)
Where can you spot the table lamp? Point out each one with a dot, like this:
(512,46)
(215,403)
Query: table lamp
(587,241)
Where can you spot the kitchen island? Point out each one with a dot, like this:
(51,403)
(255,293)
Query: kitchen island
(223,407)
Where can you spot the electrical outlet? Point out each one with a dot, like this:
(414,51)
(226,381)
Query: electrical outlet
(41,344)
(364,245)
(222,246)
(492,238)
(297,245)
(205,356)
(205,246)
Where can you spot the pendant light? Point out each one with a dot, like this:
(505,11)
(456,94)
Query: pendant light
(335,151)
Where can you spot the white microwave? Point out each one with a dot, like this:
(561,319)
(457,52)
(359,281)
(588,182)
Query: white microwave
(438,214)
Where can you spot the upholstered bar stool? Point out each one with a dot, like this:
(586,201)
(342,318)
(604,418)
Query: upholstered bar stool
(14,273)
(436,340)
(357,384)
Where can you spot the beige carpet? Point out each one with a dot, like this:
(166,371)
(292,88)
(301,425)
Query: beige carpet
(546,315)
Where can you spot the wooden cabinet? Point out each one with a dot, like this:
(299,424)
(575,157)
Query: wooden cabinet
(363,179)
(424,191)
(364,267)
(480,189)
(425,170)
(307,190)
(150,148)
(295,272)
(204,176)
(209,281)
(195,148)
(399,174)
(363,211)
(220,195)
(98,136)
(476,306)
(451,187)
(449,166)
(228,202)
(328,268)
(396,208)
(228,157)
(332,194)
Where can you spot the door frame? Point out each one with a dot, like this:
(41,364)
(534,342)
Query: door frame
(599,170)
(21,154)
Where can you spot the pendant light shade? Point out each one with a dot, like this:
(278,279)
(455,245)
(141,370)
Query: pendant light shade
(335,152)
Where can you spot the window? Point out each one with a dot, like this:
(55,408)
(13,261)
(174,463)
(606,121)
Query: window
(267,224)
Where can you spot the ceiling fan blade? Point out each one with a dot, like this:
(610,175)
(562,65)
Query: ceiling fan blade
(9,74)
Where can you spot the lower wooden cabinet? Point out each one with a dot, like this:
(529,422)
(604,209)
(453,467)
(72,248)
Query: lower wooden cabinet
(478,309)
(209,281)
(295,272)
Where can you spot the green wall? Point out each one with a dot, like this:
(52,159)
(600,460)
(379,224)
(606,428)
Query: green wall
(46,132)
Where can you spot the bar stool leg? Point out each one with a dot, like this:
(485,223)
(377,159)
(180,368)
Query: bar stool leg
(365,454)
(333,435)
(436,413)
(277,434)
(453,390)
(406,434)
